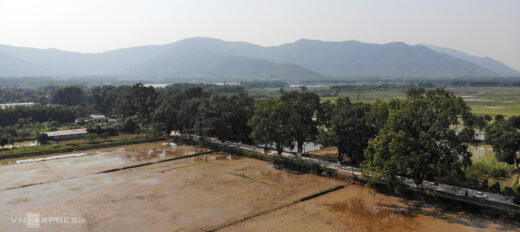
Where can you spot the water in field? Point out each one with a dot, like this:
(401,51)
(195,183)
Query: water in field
(202,193)
(119,154)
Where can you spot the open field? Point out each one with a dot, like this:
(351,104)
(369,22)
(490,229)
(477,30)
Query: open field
(187,194)
(355,208)
(94,161)
(228,193)
(484,100)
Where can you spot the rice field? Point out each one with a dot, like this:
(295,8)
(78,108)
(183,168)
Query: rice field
(482,100)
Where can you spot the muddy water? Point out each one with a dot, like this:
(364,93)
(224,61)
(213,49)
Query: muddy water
(36,170)
(135,152)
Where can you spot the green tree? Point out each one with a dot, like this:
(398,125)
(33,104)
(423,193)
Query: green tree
(70,96)
(42,138)
(420,139)
(136,100)
(515,121)
(505,139)
(302,107)
(350,130)
(6,139)
(177,110)
(129,126)
(270,124)
(103,99)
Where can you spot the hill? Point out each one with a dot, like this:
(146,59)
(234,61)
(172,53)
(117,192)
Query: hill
(484,62)
(210,58)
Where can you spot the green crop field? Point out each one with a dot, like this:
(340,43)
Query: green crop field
(482,100)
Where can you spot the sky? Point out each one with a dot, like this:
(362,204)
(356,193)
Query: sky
(483,28)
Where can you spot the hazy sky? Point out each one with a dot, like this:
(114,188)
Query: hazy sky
(484,28)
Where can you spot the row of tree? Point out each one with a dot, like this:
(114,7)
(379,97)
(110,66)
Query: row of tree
(195,111)
(423,137)
(39,113)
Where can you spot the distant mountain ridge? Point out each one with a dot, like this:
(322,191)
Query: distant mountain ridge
(484,62)
(201,57)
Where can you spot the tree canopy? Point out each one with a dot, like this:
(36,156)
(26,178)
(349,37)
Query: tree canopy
(504,136)
(421,139)
(270,124)
(302,107)
(70,96)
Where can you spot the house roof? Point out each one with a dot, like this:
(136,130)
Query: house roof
(2,106)
(96,116)
(67,132)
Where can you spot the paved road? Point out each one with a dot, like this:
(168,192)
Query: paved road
(458,192)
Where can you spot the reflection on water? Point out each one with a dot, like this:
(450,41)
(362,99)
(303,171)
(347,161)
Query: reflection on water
(129,153)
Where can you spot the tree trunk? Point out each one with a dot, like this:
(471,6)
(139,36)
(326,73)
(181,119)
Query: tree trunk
(300,148)
(279,149)
(340,158)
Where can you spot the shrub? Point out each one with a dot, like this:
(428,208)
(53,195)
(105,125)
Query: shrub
(507,190)
(42,138)
(495,187)
(516,200)
(491,168)
(110,131)
(129,126)
(484,184)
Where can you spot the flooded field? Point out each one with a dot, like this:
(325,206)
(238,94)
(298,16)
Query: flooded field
(92,161)
(217,192)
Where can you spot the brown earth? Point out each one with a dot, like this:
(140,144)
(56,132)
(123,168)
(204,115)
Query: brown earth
(227,193)
(356,208)
(95,161)
(186,195)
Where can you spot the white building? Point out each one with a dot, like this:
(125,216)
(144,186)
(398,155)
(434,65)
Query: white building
(67,134)
(98,118)
(3,106)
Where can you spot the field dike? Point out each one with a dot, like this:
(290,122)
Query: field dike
(281,207)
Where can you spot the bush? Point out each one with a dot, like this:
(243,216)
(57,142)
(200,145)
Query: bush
(129,126)
(516,200)
(484,184)
(495,187)
(491,168)
(42,138)
(110,131)
(507,190)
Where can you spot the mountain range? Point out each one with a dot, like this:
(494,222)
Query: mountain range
(210,58)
